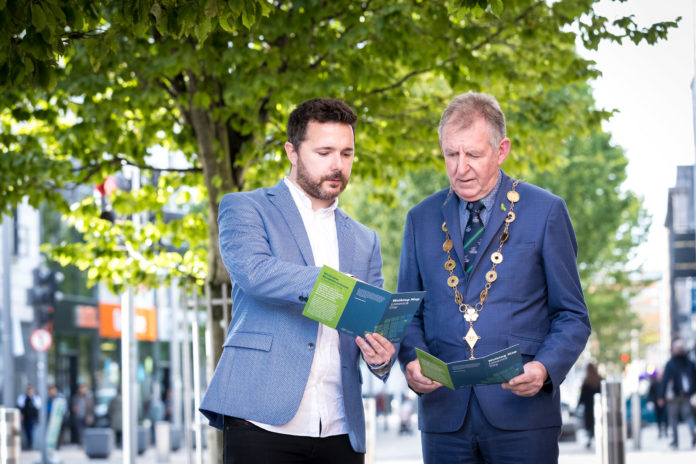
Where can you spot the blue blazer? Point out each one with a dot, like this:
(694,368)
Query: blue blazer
(536,302)
(269,346)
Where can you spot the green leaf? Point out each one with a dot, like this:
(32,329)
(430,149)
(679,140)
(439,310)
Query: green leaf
(38,17)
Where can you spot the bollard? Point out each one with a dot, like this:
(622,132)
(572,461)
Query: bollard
(98,442)
(370,406)
(636,419)
(10,436)
(613,414)
(162,438)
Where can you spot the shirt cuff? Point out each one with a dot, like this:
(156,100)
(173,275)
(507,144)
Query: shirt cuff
(380,369)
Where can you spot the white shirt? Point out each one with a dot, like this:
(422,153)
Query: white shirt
(322,401)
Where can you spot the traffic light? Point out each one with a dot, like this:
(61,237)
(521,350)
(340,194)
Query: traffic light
(105,189)
(44,294)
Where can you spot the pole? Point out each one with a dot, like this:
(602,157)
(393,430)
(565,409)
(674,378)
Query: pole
(195,341)
(209,366)
(175,349)
(636,419)
(129,356)
(613,448)
(128,391)
(186,365)
(43,394)
(8,394)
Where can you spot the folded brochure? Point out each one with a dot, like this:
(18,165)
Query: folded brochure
(356,308)
(497,367)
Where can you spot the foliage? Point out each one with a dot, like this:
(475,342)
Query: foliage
(91,87)
(609,224)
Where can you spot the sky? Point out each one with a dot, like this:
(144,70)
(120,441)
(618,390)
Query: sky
(650,86)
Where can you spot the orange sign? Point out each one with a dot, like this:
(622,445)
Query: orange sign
(86,317)
(110,322)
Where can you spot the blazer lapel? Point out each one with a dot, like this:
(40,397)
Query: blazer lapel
(346,242)
(280,197)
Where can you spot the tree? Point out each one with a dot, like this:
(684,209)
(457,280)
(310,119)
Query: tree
(609,224)
(90,87)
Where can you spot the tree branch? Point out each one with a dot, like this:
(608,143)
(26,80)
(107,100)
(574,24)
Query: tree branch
(154,169)
(502,27)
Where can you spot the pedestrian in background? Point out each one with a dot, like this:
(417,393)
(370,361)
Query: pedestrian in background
(453,248)
(286,388)
(115,416)
(677,386)
(660,413)
(591,385)
(155,410)
(29,404)
(82,407)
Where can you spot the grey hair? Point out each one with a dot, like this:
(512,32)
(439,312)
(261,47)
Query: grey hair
(466,108)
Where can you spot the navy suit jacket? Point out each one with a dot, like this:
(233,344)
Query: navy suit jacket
(536,302)
(269,347)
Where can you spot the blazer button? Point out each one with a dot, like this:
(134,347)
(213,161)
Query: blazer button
(310,346)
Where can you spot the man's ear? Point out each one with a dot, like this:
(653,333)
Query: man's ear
(292,154)
(503,150)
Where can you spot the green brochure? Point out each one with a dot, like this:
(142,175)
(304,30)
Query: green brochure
(497,367)
(356,308)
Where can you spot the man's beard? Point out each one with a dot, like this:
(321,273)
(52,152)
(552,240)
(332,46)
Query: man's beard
(314,189)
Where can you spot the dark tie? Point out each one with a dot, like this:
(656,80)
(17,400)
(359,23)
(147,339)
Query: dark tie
(472,233)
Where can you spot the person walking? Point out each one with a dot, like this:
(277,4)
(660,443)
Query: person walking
(115,415)
(82,408)
(660,413)
(591,385)
(677,386)
(29,404)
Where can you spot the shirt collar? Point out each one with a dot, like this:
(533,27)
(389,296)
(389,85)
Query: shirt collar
(303,202)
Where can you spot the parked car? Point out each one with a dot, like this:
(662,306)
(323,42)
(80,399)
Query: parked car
(101,406)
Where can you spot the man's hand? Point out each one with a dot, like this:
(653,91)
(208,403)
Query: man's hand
(417,381)
(376,349)
(529,382)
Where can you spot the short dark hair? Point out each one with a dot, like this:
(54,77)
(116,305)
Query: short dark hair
(319,110)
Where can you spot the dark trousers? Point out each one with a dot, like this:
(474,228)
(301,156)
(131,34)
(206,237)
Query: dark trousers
(244,442)
(478,442)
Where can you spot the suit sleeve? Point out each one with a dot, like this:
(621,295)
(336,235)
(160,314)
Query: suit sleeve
(247,255)
(570,324)
(409,280)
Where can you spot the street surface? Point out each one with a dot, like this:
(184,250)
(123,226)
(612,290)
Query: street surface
(393,448)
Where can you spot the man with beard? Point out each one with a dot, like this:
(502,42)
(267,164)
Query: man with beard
(286,388)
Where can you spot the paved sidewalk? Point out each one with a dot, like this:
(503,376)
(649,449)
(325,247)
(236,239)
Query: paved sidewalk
(393,448)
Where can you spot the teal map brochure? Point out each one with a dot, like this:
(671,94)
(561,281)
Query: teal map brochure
(497,367)
(356,308)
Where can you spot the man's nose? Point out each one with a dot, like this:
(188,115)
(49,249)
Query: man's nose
(462,162)
(336,161)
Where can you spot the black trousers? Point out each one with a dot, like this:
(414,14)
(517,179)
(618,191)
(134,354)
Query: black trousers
(245,443)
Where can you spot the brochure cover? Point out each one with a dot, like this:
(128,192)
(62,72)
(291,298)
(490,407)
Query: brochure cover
(497,367)
(356,308)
